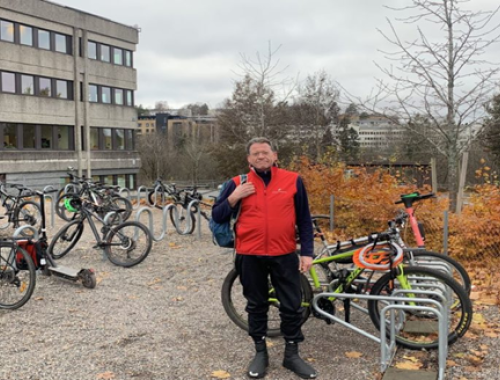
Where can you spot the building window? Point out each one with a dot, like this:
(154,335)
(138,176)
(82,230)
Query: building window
(61,43)
(8,82)
(93,93)
(26,35)
(47,138)
(105,53)
(10,136)
(130,99)
(29,136)
(106,95)
(128,58)
(62,89)
(27,85)
(94,139)
(43,39)
(45,87)
(6,31)
(117,56)
(120,139)
(118,96)
(92,50)
(107,138)
(129,139)
(64,137)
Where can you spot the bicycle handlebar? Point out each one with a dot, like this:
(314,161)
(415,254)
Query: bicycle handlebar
(409,199)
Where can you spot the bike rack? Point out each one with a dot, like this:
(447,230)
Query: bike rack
(388,351)
(18,233)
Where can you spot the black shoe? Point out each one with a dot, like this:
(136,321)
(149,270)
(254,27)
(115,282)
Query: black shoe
(257,367)
(294,363)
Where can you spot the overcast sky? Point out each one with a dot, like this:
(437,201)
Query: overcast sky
(189,50)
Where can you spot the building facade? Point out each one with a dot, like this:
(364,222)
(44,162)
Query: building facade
(67,83)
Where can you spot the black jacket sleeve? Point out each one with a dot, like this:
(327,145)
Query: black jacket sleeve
(221,211)
(303,220)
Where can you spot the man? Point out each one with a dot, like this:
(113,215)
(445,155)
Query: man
(273,201)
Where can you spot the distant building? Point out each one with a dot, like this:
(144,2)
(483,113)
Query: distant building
(146,124)
(67,83)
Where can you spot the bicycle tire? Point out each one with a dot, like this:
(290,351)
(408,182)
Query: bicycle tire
(459,273)
(234,304)
(65,239)
(122,203)
(160,195)
(16,285)
(460,317)
(180,221)
(61,208)
(130,237)
(28,213)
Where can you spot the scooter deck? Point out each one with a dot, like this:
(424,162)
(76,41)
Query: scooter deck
(66,272)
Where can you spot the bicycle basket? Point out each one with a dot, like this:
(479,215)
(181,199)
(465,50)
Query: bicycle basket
(73,204)
(378,256)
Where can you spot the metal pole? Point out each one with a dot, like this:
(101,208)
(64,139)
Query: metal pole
(445,233)
(332,200)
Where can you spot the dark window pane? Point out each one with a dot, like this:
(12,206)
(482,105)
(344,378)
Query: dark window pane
(128,58)
(8,82)
(118,96)
(61,43)
(107,138)
(47,142)
(44,39)
(10,136)
(93,93)
(120,139)
(64,137)
(29,136)
(7,31)
(129,139)
(129,98)
(92,50)
(45,87)
(106,94)
(26,35)
(105,54)
(27,85)
(117,56)
(62,89)
(94,139)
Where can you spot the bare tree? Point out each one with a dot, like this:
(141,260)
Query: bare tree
(445,80)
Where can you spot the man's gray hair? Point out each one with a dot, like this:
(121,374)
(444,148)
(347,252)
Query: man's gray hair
(259,140)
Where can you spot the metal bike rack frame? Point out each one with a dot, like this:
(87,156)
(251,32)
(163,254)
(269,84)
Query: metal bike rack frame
(388,351)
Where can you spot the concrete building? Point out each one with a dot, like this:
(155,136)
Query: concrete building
(146,124)
(67,83)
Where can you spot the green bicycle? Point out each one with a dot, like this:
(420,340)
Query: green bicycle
(327,275)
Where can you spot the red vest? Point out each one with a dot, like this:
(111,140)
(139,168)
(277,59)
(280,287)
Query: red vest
(266,224)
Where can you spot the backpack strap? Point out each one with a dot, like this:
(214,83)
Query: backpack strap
(243,179)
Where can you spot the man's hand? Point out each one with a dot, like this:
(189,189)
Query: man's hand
(305,263)
(242,191)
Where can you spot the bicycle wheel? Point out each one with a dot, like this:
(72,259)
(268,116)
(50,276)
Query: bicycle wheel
(234,303)
(61,210)
(28,214)
(419,330)
(16,285)
(122,203)
(5,208)
(183,220)
(158,198)
(128,244)
(66,238)
(441,262)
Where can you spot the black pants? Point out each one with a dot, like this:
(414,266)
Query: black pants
(283,270)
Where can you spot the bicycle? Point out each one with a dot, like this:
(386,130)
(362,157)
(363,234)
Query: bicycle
(17,210)
(345,280)
(125,244)
(162,193)
(17,275)
(183,215)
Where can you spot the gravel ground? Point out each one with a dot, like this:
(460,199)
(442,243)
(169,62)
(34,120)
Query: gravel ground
(163,319)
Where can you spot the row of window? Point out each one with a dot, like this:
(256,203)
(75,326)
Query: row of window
(32,136)
(48,40)
(106,53)
(25,84)
(110,95)
(15,136)
(30,36)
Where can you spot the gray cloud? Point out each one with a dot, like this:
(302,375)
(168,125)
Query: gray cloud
(189,49)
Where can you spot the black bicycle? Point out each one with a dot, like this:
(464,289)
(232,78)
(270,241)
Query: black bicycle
(125,244)
(17,210)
